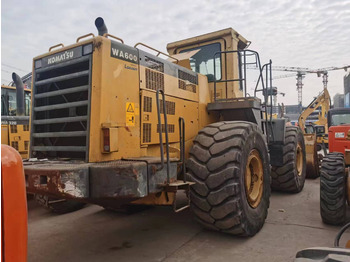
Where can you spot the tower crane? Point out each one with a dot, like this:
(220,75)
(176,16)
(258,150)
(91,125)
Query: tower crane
(302,71)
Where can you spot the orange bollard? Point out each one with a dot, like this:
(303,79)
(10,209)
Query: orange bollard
(14,230)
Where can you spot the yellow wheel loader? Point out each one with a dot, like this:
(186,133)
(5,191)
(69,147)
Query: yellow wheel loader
(122,126)
(15,108)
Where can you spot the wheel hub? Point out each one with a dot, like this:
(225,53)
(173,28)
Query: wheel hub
(299,160)
(254,174)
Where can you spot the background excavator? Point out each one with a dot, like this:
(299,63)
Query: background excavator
(315,134)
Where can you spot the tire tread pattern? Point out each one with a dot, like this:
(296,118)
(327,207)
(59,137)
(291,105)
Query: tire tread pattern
(333,189)
(214,165)
(285,177)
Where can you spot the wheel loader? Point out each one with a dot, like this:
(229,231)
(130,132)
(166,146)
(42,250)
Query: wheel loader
(15,109)
(122,126)
(334,178)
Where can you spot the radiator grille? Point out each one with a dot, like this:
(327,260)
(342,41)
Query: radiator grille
(170,107)
(60,116)
(147,104)
(154,80)
(13,129)
(186,76)
(146,133)
(187,87)
(171,128)
(14,144)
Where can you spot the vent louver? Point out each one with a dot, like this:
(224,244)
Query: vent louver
(154,80)
(146,133)
(60,117)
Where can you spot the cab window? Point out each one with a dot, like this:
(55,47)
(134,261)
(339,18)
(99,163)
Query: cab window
(203,61)
(340,119)
(26,103)
(8,102)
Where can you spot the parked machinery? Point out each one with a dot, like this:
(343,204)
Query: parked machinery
(101,109)
(15,108)
(312,138)
(335,168)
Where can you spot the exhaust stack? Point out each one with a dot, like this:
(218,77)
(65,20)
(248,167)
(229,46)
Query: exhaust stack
(101,26)
(20,94)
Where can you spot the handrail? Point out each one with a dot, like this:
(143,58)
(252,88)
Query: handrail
(161,135)
(182,146)
(83,36)
(159,52)
(242,81)
(52,47)
(117,38)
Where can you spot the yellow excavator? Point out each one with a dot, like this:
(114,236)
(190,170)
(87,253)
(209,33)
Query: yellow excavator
(314,139)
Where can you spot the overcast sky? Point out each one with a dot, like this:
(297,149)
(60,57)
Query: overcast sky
(313,34)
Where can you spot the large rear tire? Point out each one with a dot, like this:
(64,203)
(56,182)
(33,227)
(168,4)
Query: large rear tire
(59,206)
(333,189)
(290,177)
(229,162)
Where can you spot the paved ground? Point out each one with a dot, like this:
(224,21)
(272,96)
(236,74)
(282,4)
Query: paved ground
(158,234)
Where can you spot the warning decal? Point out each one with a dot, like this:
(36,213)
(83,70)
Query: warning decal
(130,114)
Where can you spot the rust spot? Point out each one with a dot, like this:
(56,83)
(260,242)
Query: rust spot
(127,129)
(154,169)
(98,45)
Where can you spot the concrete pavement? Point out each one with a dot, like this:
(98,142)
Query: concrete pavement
(158,234)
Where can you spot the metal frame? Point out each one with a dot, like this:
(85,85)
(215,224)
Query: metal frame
(161,135)
(265,83)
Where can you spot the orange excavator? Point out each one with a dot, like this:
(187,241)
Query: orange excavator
(14,230)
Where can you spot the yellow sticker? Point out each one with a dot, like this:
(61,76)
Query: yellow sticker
(130,114)
(130,107)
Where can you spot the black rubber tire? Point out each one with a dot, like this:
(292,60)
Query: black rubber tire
(217,165)
(60,207)
(285,178)
(318,147)
(333,189)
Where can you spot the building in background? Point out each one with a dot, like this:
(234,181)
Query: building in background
(347,90)
(338,101)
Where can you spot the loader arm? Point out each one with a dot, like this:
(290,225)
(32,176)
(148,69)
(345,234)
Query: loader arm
(323,101)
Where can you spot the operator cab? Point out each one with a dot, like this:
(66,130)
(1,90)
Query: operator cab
(205,54)
(338,116)
(234,89)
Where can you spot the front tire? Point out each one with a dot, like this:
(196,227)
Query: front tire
(333,189)
(229,163)
(290,177)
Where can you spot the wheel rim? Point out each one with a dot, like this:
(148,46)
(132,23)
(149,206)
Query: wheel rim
(299,160)
(254,174)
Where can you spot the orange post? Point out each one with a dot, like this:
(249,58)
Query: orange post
(14,230)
